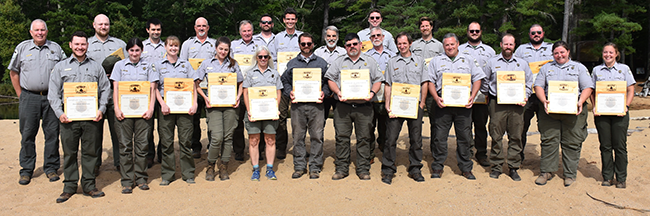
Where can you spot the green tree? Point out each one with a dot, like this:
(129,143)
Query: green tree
(14,29)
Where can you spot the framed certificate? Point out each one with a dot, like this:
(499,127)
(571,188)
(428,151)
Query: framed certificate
(119,53)
(263,103)
(307,84)
(563,97)
(196,63)
(245,62)
(404,100)
(511,87)
(366,45)
(427,61)
(283,59)
(610,97)
(456,89)
(355,84)
(222,89)
(179,94)
(80,100)
(480,98)
(534,67)
(134,98)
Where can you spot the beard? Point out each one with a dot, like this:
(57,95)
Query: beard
(331,43)
(532,41)
(507,53)
(376,43)
(478,39)
(201,34)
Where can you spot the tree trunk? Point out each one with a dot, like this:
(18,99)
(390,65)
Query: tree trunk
(326,15)
(568,14)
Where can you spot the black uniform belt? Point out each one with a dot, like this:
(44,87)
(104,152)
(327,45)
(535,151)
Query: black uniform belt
(491,97)
(355,105)
(36,92)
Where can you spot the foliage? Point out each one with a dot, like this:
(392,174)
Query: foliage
(14,30)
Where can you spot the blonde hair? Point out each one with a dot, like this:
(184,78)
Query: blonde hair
(257,52)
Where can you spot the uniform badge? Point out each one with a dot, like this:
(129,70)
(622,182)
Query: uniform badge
(365,64)
(272,75)
(183,66)
(517,64)
(416,64)
(52,51)
(396,69)
(619,71)
(572,67)
(144,68)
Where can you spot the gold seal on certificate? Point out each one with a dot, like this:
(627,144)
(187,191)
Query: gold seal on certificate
(179,94)
(365,46)
(245,61)
(404,100)
(306,84)
(134,97)
(355,84)
(80,100)
(610,97)
(283,59)
(511,87)
(456,89)
(563,97)
(222,89)
(263,102)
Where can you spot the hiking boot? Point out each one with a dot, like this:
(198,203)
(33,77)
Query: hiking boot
(209,172)
(223,171)
(543,178)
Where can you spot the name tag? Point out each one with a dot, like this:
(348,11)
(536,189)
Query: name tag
(67,69)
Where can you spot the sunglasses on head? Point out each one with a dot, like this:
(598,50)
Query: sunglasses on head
(375,17)
(305,44)
(266,22)
(474,31)
(375,35)
(263,56)
(536,32)
(351,44)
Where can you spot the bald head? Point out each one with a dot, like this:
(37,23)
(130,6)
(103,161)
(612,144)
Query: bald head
(201,28)
(102,26)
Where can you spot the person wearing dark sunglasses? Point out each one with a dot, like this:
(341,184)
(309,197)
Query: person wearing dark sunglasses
(374,19)
(266,35)
(381,55)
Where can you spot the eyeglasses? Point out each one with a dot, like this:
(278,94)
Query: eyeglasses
(474,31)
(376,35)
(266,22)
(536,32)
(351,44)
(306,44)
(374,17)
(263,56)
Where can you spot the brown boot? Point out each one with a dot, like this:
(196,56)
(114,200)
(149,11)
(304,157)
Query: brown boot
(223,171)
(209,173)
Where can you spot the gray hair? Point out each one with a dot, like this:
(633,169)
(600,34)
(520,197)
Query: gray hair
(257,52)
(31,26)
(243,22)
(332,28)
(377,28)
(448,35)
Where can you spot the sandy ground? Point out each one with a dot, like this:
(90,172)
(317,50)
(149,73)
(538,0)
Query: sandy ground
(452,194)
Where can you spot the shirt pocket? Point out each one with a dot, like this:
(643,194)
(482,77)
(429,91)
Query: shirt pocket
(68,76)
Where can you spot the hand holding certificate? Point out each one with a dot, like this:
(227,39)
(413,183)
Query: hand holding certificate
(404,100)
(307,84)
(610,97)
(134,97)
(222,89)
(563,97)
(80,100)
(511,87)
(263,103)
(456,89)
(355,84)
(179,94)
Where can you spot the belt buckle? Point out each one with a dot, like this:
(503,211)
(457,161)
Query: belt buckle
(354,105)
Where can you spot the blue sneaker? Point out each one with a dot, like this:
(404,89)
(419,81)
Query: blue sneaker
(256,175)
(270,174)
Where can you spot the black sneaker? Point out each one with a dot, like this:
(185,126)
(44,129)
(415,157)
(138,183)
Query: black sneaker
(417,177)
(495,174)
(514,175)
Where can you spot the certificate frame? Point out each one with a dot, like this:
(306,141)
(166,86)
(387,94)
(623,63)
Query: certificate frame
(245,61)
(614,93)
(263,103)
(405,98)
(283,60)
(480,98)
(83,97)
(307,84)
(563,97)
(534,67)
(366,45)
(179,88)
(196,63)
(222,85)
(511,87)
(456,89)
(132,96)
(355,83)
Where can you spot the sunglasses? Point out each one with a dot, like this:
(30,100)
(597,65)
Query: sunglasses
(536,32)
(306,44)
(375,35)
(263,56)
(351,44)
(474,31)
(202,26)
(266,22)
(374,17)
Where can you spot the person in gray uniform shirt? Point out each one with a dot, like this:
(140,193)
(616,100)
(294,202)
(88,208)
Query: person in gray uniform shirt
(154,50)
(381,55)
(374,19)
(79,68)
(452,62)
(30,69)
(266,36)
(330,51)
(100,46)
(481,53)
(426,47)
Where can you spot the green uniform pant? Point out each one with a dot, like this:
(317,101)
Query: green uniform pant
(89,133)
(378,122)
(612,134)
(360,115)
(222,122)
(134,144)
(109,116)
(567,131)
(166,124)
(505,118)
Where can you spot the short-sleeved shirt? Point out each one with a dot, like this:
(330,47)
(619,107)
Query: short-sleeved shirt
(381,57)
(214,66)
(193,48)
(407,70)
(153,52)
(328,55)
(270,44)
(344,62)
(482,53)
(462,64)
(570,71)
(499,63)
(530,54)
(34,63)
(255,78)
(618,72)
(287,43)
(389,42)
(98,50)
(71,70)
(165,69)
(125,70)
(427,49)
(240,47)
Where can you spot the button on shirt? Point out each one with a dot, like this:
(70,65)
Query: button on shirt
(182,69)
(240,47)
(153,52)
(125,70)
(328,55)
(98,50)
(389,42)
(287,43)
(427,49)
(499,63)
(214,66)
(482,53)
(193,48)
(462,64)
(313,61)
(407,70)
(570,71)
(618,72)
(71,70)
(530,54)
(270,44)
(34,63)
(255,78)
(345,63)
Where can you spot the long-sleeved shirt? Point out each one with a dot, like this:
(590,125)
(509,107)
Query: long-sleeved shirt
(301,62)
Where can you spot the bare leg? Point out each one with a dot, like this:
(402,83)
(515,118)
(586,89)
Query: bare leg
(270,148)
(254,140)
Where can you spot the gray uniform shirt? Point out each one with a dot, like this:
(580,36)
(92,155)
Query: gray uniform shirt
(618,72)
(125,70)
(193,48)
(407,70)
(214,66)
(482,53)
(329,57)
(71,70)
(34,63)
(463,64)
(270,44)
(570,71)
(389,42)
(153,52)
(287,43)
(255,78)
(427,49)
(240,47)
(98,50)
(345,63)
(530,54)
(182,69)
(382,59)
(499,63)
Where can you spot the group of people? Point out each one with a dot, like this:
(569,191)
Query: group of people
(39,69)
